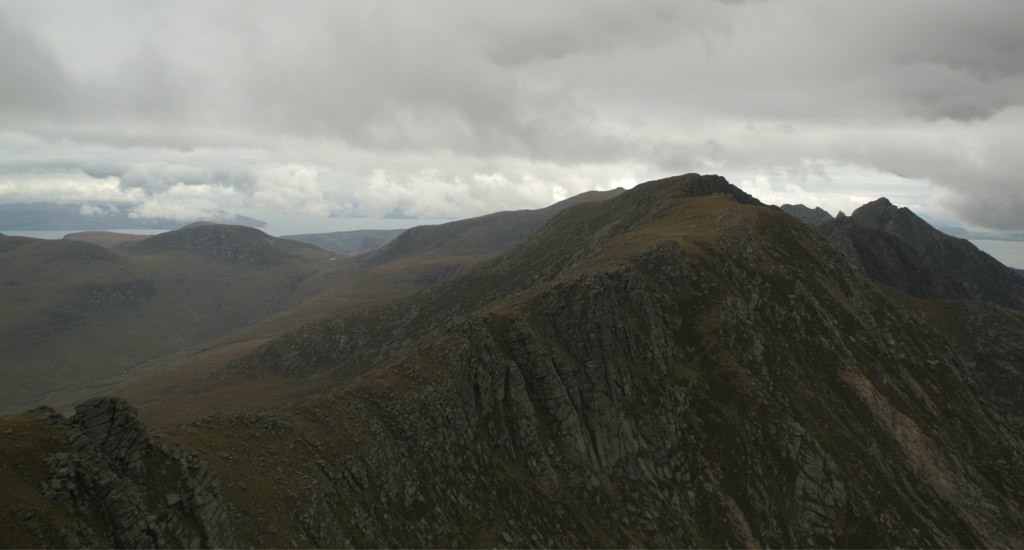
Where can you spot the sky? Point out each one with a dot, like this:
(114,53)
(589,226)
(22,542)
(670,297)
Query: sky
(451,109)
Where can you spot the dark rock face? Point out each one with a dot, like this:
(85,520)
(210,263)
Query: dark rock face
(805,214)
(894,246)
(102,474)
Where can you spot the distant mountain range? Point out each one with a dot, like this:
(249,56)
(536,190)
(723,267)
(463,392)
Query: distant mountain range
(672,365)
(183,289)
(48,216)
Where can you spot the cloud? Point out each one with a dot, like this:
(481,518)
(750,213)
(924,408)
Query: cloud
(159,178)
(459,108)
(181,210)
(95,210)
(294,190)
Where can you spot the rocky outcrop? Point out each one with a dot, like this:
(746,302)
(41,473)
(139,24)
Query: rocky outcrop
(102,474)
(107,297)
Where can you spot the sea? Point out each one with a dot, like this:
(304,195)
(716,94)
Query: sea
(1011,253)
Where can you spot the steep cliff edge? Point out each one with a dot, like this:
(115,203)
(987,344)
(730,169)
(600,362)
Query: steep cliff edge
(677,366)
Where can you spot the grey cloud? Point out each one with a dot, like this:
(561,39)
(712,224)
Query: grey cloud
(33,81)
(222,93)
(158,178)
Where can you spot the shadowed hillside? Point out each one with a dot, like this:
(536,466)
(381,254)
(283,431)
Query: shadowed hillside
(894,246)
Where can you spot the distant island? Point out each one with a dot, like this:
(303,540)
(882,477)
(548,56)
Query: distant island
(48,216)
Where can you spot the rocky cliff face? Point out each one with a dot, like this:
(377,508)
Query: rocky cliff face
(894,246)
(118,487)
(677,366)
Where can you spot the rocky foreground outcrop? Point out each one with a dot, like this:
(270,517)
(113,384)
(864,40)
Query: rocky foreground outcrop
(126,489)
(667,368)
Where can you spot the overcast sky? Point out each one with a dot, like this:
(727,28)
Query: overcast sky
(454,109)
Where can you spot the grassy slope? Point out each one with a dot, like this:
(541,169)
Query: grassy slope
(75,313)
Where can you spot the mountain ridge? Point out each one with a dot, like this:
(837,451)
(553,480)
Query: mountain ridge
(481,234)
(895,246)
(676,366)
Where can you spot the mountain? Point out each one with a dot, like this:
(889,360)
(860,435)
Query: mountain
(805,214)
(189,298)
(895,246)
(75,315)
(106,239)
(232,243)
(675,366)
(427,256)
(48,216)
(482,236)
(349,242)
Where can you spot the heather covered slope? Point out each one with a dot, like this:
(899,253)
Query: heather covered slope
(665,368)
(75,314)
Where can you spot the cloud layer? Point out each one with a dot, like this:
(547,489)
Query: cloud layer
(460,108)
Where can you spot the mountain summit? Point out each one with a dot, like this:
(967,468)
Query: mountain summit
(232,243)
(895,246)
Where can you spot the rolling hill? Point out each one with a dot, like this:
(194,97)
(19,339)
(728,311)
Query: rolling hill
(97,309)
(76,313)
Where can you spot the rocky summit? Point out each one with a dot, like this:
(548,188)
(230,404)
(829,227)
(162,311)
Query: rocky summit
(896,247)
(676,366)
